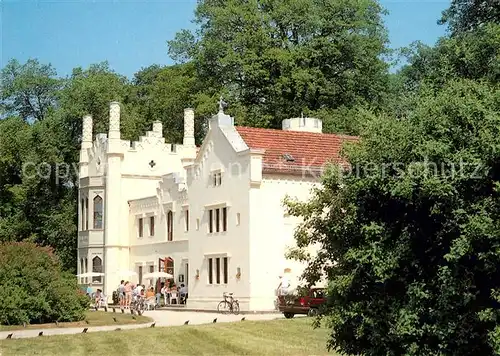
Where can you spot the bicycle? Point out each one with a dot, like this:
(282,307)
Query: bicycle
(228,304)
(138,303)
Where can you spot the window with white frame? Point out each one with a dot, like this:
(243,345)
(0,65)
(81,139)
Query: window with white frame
(218,270)
(86,213)
(217,220)
(97,268)
(140,227)
(217,178)
(82,220)
(98,212)
(186,220)
(170,226)
(151,226)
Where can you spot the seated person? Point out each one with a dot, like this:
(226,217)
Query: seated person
(150,293)
(98,296)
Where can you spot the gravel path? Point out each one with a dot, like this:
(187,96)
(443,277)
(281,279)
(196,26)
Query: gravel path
(160,317)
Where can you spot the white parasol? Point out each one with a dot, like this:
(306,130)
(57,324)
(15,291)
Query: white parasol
(158,274)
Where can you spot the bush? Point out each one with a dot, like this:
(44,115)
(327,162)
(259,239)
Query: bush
(34,287)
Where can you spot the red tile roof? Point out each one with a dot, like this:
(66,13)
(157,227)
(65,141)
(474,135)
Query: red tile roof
(310,151)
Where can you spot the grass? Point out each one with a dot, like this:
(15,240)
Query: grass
(94,318)
(275,337)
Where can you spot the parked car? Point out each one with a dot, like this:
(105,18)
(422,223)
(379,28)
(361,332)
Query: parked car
(308,304)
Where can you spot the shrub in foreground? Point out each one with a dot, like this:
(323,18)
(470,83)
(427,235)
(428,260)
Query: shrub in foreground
(34,289)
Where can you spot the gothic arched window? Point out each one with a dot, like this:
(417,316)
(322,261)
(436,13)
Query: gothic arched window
(97,267)
(170,226)
(98,212)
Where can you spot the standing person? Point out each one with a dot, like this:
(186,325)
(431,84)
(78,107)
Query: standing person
(159,293)
(121,293)
(128,294)
(284,285)
(184,293)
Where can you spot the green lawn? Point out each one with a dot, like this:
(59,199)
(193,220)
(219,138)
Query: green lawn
(276,337)
(94,318)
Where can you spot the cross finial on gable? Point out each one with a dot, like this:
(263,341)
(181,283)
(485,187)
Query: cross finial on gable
(152,163)
(222,105)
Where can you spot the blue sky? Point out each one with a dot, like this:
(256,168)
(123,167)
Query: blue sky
(133,34)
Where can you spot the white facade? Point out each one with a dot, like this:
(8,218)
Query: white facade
(172,192)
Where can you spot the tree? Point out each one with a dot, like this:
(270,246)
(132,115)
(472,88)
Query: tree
(409,239)
(471,55)
(34,287)
(467,15)
(28,90)
(276,59)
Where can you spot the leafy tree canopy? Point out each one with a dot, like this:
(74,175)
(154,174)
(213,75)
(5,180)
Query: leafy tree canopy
(276,59)
(467,15)
(28,90)
(413,231)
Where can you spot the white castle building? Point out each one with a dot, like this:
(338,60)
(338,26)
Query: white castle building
(212,215)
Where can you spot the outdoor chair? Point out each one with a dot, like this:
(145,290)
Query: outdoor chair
(151,303)
(174,296)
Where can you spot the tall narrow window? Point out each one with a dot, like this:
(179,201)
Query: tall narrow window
(98,212)
(86,268)
(82,217)
(86,213)
(224,219)
(210,221)
(219,178)
(217,218)
(82,269)
(140,227)
(217,270)
(238,218)
(186,219)
(225,270)
(97,268)
(140,274)
(170,226)
(210,272)
(151,226)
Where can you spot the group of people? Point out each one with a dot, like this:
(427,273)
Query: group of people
(171,292)
(128,291)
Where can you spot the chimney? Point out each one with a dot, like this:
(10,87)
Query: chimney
(303,124)
(188,128)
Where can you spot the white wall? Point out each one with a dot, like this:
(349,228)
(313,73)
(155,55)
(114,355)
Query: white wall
(218,153)
(271,233)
